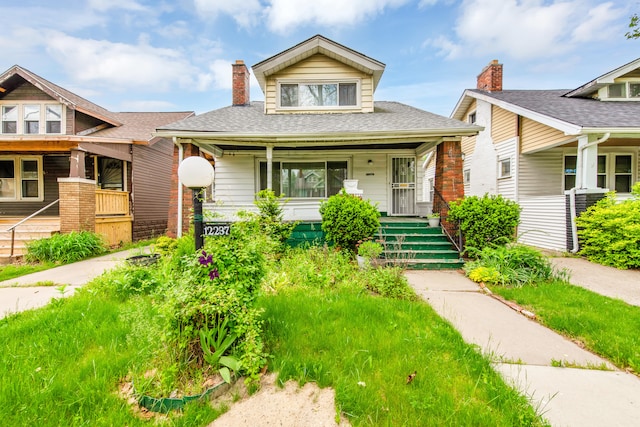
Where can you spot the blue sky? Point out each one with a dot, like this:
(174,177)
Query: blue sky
(148,55)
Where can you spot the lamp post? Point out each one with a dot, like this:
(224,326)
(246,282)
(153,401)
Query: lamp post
(196,173)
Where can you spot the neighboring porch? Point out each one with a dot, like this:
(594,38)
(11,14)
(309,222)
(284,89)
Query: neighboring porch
(110,217)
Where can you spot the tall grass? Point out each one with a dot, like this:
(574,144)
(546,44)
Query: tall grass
(366,346)
(606,326)
(65,248)
(62,364)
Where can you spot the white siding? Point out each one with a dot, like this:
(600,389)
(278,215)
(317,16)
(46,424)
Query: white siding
(508,150)
(543,222)
(483,162)
(540,174)
(372,179)
(235,181)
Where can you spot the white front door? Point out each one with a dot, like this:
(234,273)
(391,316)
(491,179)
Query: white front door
(403,186)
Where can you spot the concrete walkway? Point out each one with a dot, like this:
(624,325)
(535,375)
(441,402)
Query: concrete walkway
(523,351)
(23,293)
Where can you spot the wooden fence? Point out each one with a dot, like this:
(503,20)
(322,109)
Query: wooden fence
(113,218)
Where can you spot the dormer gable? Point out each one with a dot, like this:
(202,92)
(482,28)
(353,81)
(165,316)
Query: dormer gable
(318,76)
(621,84)
(30,104)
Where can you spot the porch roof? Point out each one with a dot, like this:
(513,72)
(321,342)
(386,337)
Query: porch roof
(390,122)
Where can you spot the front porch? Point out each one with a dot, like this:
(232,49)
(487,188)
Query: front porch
(408,242)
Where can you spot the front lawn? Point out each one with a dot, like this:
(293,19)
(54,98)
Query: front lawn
(323,321)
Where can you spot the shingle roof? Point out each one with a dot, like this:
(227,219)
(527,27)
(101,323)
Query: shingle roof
(387,116)
(140,126)
(583,112)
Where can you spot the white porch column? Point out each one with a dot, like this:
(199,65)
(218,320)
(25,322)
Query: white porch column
(587,162)
(269,167)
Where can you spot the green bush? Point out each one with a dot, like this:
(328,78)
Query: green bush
(389,282)
(270,218)
(65,248)
(348,220)
(128,280)
(610,232)
(485,221)
(512,265)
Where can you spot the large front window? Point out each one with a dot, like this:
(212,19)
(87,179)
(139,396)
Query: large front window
(21,178)
(615,171)
(318,95)
(297,179)
(31,118)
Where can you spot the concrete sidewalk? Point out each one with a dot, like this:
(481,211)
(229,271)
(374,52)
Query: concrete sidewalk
(523,352)
(22,293)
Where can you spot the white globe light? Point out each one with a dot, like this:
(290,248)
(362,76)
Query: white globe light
(195,172)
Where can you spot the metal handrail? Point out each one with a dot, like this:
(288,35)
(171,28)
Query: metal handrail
(442,207)
(12,229)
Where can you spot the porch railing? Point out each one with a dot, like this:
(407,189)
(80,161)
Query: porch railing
(450,228)
(110,202)
(12,229)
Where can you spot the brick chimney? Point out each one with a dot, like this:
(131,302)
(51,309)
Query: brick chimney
(240,83)
(491,77)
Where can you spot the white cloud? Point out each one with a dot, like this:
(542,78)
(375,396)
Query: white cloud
(244,12)
(286,15)
(120,66)
(104,5)
(525,29)
(599,23)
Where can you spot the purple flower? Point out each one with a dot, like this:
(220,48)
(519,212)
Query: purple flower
(214,274)
(205,260)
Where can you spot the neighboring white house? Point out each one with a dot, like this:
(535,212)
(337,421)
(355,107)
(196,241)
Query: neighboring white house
(555,152)
(319,125)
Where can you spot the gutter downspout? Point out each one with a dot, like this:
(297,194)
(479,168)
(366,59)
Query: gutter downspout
(572,192)
(180,190)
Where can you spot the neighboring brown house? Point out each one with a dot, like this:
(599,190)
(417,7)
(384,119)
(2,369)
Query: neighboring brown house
(96,170)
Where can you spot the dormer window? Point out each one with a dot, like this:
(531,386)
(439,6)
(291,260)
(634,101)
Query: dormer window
(629,90)
(318,95)
(31,118)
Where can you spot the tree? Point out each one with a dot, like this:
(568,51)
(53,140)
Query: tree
(634,25)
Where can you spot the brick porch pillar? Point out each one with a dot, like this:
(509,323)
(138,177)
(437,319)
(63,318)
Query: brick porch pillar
(187,197)
(77,204)
(448,179)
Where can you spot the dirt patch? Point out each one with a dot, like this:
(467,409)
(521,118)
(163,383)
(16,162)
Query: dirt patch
(290,406)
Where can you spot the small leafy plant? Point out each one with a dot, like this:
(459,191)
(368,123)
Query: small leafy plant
(512,265)
(369,249)
(348,219)
(214,343)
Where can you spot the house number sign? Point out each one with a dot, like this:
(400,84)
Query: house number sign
(215,229)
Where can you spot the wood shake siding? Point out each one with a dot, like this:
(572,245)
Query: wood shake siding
(535,136)
(27,92)
(151,179)
(320,68)
(504,124)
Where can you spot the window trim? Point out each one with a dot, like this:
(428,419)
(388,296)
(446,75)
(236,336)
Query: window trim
(42,114)
(604,92)
(260,161)
(500,162)
(472,117)
(281,82)
(18,179)
(466,176)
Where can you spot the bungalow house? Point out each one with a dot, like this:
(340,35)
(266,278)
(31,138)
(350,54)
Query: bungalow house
(77,166)
(318,126)
(555,152)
